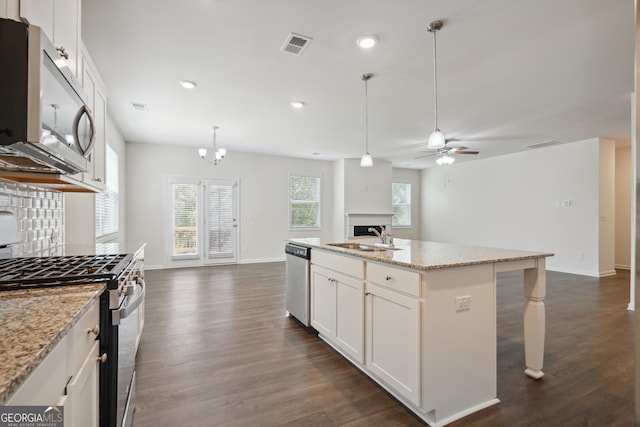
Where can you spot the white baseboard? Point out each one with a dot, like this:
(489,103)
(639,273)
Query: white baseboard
(622,267)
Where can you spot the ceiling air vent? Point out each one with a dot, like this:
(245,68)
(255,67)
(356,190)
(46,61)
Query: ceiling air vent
(542,144)
(138,106)
(295,43)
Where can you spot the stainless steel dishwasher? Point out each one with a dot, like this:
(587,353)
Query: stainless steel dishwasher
(298,282)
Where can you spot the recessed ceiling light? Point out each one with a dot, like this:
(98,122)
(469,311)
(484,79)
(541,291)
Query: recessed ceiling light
(368,41)
(297,104)
(188,84)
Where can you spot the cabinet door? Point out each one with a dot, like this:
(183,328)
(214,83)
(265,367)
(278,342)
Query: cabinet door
(66,29)
(81,407)
(323,302)
(393,340)
(60,21)
(350,316)
(10,9)
(40,13)
(45,385)
(98,157)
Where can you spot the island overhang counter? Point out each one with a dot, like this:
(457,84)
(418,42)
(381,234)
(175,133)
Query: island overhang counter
(420,319)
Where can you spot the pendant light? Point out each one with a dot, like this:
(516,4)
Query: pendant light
(218,153)
(436,139)
(366,161)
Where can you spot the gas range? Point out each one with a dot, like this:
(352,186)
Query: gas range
(29,272)
(119,315)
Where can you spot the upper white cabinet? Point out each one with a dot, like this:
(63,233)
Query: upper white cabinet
(10,9)
(97,100)
(60,20)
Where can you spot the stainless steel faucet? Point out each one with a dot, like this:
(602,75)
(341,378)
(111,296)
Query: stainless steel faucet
(385,238)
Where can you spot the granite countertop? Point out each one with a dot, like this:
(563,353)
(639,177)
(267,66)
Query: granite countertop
(32,322)
(426,255)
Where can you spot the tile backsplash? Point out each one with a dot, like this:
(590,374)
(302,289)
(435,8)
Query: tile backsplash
(40,216)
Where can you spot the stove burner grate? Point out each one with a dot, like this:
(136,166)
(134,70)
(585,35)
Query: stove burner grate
(16,273)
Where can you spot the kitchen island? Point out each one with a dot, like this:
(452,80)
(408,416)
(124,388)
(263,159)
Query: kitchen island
(420,318)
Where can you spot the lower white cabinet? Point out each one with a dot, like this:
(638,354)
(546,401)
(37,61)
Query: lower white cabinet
(81,406)
(46,384)
(337,310)
(372,315)
(393,340)
(69,375)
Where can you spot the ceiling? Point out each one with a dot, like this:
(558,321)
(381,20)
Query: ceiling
(510,74)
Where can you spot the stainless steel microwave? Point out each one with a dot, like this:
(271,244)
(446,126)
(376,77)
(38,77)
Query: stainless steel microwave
(45,122)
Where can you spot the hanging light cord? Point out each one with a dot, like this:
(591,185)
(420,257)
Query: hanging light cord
(366,78)
(435,82)
(215,148)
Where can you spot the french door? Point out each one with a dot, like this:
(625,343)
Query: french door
(203,227)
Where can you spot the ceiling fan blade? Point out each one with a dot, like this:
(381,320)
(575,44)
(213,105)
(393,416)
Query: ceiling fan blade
(453,149)
(425,155)
(465,152)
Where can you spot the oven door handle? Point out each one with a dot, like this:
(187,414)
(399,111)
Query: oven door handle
(124,312)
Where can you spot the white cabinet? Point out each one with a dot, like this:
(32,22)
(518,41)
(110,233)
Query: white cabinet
(69,375)
(60,20)
(337,309)
(81,406)
(10,9)
(393,340)
(97,101)
(46,384)
(374,315)
(337,301)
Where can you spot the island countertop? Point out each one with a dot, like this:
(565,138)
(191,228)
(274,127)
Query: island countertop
(427,255)
(32,322)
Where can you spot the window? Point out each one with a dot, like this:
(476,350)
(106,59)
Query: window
(107,202)
(401,204)
(304,201)
(184,220)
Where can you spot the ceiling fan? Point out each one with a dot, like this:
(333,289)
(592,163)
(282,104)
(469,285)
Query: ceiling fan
(445,153)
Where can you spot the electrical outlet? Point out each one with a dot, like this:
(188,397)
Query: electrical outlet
(463,303)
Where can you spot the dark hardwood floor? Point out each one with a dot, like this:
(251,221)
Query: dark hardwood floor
(218,351)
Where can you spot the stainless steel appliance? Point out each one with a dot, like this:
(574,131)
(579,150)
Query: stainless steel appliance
(45,123)
(118,316)
(298,282)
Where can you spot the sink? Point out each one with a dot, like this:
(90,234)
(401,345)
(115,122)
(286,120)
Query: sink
(376,247)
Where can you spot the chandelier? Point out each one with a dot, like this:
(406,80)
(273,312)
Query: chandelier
(218,153)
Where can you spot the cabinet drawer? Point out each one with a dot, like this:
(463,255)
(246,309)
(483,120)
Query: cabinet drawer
(80,339)
(394,278)
(341,263)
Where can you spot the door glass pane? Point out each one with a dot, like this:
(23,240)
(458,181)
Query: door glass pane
(185,219)
(221,220)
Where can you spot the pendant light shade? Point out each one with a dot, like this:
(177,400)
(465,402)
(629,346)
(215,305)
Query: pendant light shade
(436,139)
(366,161)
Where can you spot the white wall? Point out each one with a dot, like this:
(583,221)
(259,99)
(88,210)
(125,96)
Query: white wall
(516,201)
(359,190)
(624,180)
(409,176)
(263,197)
